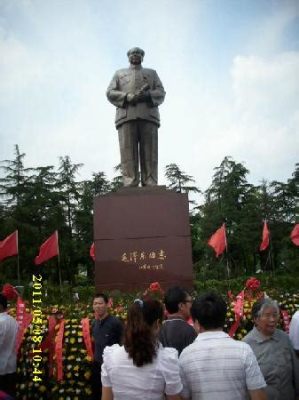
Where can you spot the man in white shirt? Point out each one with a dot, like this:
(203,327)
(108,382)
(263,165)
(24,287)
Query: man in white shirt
(216,366)
(294,332)
(8,357)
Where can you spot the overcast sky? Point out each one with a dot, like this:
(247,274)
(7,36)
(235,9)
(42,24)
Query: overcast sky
(230,69)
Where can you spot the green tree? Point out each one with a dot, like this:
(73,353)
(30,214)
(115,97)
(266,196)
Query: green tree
(117,181)
(70,192)
(284,215)
(179,181)
(15,187)
(43,200)
(99,185)
(228,200)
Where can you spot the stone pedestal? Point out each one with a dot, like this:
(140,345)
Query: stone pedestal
(142,235)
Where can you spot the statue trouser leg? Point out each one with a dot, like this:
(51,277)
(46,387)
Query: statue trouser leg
(128,144)
(148,147)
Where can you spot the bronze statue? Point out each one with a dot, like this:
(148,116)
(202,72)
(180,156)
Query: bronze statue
(137,92)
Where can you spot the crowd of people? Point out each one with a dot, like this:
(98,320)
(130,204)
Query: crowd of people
(171,359)
(150,357)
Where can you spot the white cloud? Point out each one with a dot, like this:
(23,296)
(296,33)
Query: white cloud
(266,109)
(268,36)
(263,83)
(58,59)
(17,69)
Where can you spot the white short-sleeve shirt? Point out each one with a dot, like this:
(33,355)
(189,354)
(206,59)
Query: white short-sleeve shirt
(294,330)
(149,382)
(216,367)
(8,334)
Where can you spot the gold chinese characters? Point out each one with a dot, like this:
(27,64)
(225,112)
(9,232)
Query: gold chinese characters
(145,259)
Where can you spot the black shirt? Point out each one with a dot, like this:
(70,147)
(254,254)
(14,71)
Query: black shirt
(176,332)
(106,332)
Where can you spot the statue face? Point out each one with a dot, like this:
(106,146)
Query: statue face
(135,58)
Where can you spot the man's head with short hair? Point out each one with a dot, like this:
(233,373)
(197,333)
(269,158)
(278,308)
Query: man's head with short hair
(103,296)
(178,301)
(3,303)
(173,297)
(100,305)
(209,310)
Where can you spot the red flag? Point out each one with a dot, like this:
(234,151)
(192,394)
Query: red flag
(48,249)
(218,240)
(9,246)
(92,252)
(295,235)
(265,237)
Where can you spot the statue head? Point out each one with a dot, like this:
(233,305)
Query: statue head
(135,55)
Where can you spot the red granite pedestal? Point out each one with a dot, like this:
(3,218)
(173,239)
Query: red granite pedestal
(142,235)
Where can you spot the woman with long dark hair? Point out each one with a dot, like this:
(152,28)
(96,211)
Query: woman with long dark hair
(141,368)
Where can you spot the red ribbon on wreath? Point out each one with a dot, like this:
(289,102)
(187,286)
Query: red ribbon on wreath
(249,292)
(49,342)
(23,319)
(86,336)
(58,350)
(239,312)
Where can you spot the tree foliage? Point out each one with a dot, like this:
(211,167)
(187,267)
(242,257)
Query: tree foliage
(37,201)
(179,181)
(243,207)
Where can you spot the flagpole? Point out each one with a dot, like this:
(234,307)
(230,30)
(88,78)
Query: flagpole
(18,259)
(227,263)
(227,267)
(270,256)
(18,270)
(58,262)
(59,273)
